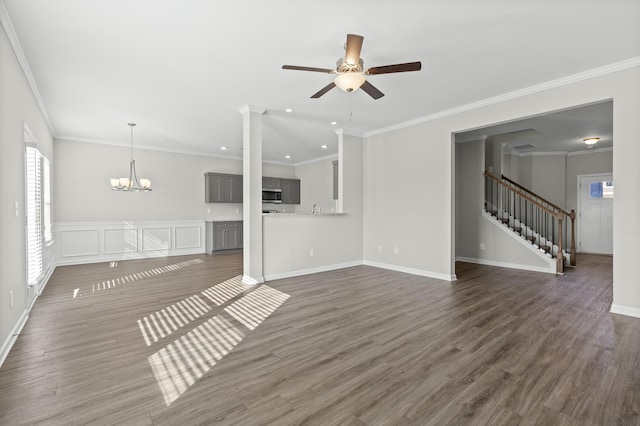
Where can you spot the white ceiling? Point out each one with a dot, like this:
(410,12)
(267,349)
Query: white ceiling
(182,69)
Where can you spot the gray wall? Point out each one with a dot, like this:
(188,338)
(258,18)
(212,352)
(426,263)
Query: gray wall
(407,166)
(585,163)
(316,185)
(501,247)
(18,106)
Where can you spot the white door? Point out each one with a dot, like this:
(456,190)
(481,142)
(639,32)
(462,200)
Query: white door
(595,210)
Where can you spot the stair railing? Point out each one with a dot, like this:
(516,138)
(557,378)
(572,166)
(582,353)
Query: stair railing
(535,218)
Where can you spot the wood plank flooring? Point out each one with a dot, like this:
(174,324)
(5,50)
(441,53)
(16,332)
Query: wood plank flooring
(181,341)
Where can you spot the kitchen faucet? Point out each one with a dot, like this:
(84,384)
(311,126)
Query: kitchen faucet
(313,209)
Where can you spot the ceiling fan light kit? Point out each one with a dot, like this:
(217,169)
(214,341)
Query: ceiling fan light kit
(350,81)
(351,72)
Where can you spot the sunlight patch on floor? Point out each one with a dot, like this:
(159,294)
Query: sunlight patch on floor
(178,365)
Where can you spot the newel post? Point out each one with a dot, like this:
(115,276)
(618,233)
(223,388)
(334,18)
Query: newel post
(572,215)
(560,256)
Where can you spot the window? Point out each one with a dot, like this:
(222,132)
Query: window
(601,190)
(38,211)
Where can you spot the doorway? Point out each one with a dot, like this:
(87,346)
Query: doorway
(595,209)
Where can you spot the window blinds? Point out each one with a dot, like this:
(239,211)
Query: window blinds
(34,222)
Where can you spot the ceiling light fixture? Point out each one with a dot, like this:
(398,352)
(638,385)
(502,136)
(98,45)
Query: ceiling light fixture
(333,123)
(224,148)
(350,81)
(131,183)
(324,146)
(287,156)
(288,110)
(590,141)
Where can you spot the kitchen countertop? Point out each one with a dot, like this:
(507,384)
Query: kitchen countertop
(303,214)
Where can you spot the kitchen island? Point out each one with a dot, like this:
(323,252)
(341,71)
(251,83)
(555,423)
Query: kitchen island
(298,244)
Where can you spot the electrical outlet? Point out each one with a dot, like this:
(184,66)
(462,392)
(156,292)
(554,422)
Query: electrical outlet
(379,248)
(11,298)
(17,209)
(396,250)
(237,211)
(312,252)
(482,246)
(209,210)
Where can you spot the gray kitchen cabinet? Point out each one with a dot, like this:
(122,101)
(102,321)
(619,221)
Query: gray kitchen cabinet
(290,191)
(222,188)
(271,183)
(224,235)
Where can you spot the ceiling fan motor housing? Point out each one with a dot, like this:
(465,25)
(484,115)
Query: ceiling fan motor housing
(343,66)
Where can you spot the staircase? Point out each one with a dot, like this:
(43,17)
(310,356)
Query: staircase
(531,216)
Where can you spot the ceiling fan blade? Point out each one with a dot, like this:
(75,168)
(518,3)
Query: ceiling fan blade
(297,68)
(353,47)
(371,90)
(324,90)
(387,69)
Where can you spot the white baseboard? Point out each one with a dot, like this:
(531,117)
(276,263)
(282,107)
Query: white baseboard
(506,265)
(625,310)
(412,271)
(246,279)
(13,335)
(278,276)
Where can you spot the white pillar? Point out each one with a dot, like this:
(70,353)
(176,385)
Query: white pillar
(252,193)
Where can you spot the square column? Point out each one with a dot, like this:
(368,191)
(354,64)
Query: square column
(252,193)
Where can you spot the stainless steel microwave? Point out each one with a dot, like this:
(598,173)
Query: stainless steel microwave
(273,196)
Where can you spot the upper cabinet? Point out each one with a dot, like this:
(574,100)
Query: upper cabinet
(222,188)
(271,183)
(225,188)
(290,191)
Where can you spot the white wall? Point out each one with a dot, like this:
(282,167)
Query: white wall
(405,166)
(17,107)
(316,185)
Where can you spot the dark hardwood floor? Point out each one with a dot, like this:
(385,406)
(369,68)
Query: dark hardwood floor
(181,341)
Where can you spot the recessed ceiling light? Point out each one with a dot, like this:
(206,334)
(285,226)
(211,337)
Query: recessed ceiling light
(224,148)
(333,123)
(590,141)
(324,146)
(289,110)
(287,156)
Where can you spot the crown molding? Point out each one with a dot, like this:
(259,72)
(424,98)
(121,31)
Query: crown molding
(315,160)
(590,151)
(9,29)
(564,81)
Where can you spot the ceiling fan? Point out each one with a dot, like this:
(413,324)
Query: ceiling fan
(351,72)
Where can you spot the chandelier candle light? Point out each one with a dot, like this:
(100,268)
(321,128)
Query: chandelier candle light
(131,183)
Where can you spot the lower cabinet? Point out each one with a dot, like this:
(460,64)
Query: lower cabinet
(223,235)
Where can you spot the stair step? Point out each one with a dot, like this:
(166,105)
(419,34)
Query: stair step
(546,249)
(494,212)
(517,229)
(505,220)
(531,238)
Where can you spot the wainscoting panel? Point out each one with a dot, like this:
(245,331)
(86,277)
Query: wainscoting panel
(79,242)
(108,241)
(156,239)
(187,237)
(120,240)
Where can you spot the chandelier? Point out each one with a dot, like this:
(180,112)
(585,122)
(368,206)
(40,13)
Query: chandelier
(131,183)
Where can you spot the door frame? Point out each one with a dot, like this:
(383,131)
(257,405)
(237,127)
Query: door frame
(578,204)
